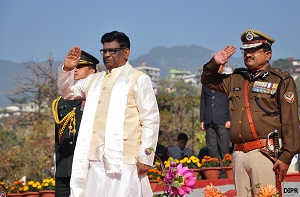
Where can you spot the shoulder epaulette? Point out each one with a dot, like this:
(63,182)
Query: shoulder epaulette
(280,73)
(240,70)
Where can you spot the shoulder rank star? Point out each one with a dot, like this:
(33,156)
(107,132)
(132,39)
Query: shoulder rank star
(289,97)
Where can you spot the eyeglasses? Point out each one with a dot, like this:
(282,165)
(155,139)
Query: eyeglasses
(110,51)
(251,51)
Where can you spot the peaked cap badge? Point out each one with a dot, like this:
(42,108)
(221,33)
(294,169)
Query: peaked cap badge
(249,36)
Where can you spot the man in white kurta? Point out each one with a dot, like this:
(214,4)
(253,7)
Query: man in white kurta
(121,120)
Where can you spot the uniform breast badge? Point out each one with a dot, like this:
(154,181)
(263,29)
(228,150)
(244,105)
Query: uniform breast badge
(289,97)
(264,87)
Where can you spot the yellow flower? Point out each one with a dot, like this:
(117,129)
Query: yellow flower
(48,184)
(26,188)
(191,162)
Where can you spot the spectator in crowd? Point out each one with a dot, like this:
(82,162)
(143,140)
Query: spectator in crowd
(180,151)
(215,120)
(161,151)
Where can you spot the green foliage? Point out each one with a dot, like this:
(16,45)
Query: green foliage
(27,141)
(283,64)
(179,106)
(177,88)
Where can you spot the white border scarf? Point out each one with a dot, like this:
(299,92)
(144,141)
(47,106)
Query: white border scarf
(113,152)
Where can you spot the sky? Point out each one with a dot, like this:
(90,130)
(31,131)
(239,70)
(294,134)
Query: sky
(35,29)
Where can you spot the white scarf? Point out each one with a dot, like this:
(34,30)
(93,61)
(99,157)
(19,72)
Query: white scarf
(111,153)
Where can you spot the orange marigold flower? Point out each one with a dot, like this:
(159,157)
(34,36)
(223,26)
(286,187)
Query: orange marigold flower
(267,190)
(211,191)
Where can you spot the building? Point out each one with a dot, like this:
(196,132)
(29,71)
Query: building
(19,109)
(296,65)
(227,70)
(176,74)
(153,73)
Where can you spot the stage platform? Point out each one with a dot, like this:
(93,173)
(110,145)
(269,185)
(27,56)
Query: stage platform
(291,186)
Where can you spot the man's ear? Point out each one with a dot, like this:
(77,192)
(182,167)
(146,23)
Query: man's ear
(269,55)
(126,53)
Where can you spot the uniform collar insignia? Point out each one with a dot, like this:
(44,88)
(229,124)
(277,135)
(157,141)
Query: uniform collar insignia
(265,75)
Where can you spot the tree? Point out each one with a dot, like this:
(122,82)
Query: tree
(179,106)
(31,152)
(37,84)
(283,64)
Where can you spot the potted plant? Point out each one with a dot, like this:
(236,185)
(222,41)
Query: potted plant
(210,167)
(155,176)
(32,189)
(168,162)
(227,165)
(192,163)
(48,188)
(16,189)
(227,161)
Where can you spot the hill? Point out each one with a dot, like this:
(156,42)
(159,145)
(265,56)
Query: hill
(189,58)
(10,72)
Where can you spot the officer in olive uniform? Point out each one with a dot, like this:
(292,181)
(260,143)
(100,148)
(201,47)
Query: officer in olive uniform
(261,99)
(67,115)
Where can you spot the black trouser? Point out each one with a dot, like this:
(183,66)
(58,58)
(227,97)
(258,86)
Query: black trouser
(62,186)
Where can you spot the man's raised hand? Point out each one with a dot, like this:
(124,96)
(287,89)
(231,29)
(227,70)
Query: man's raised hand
(222,56)
(72,59)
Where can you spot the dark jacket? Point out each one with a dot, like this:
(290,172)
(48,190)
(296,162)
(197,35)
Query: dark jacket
(64,150)
(214,107)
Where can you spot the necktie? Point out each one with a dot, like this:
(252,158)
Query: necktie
(182,153)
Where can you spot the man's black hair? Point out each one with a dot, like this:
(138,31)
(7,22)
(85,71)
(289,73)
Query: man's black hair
(120,37)
(182,136)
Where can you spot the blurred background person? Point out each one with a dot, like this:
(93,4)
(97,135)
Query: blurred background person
(180,151)
(215,120)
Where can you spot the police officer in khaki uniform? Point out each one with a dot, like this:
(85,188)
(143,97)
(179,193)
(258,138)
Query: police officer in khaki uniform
(261,99)
(67,115)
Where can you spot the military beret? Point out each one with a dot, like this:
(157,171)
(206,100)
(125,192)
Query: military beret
(88,60)
(252,38)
